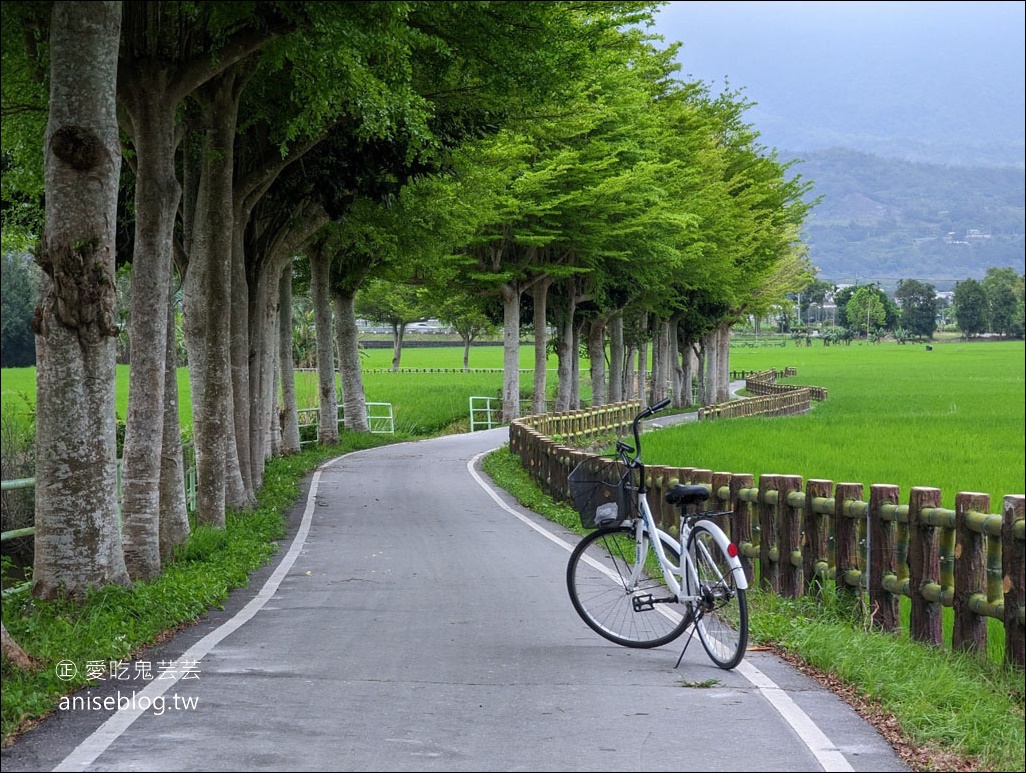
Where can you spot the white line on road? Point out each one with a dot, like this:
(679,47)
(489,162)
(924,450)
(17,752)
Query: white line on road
(825,751)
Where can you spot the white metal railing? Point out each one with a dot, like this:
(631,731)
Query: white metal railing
(381,422)
(485,413)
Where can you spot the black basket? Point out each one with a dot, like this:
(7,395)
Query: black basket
(601,492)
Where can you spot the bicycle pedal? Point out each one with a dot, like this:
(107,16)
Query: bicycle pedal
(643,603)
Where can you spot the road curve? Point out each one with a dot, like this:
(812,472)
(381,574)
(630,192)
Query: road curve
(416,619)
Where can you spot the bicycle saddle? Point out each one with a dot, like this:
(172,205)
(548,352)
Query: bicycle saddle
(687,495)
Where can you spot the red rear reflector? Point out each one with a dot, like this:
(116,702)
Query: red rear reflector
(732,550)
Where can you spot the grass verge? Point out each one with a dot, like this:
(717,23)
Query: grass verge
(939,710)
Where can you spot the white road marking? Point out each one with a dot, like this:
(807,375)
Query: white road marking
(83,755)
(821,747)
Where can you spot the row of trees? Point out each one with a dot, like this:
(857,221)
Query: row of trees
(991,305)
(485,154)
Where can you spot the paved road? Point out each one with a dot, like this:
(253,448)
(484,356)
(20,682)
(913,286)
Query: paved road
(418,620)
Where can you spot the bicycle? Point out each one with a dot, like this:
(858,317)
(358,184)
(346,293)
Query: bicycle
(613,575)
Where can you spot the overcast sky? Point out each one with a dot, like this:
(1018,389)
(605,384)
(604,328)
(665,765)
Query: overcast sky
(823,71)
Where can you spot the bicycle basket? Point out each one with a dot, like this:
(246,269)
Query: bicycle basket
(601,492)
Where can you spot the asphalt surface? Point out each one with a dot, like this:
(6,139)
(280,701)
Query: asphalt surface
(416,619)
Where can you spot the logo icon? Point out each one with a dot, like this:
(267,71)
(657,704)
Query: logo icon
(66,670)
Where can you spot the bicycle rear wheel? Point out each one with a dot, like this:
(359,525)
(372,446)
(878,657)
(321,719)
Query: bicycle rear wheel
(598,577)
(721,616)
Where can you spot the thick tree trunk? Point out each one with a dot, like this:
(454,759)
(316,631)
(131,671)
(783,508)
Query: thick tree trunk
(240,449)
(565,353)
(673,364)
(575,366)
(510,351)
(174,515)
(616,386)
(630,390)
(77,545)
(354,401)
(320,265)
(642,369)
(597,359)
(540,294)
(703,395)
(723,338)
(157,193)
(286,365)
(208,285)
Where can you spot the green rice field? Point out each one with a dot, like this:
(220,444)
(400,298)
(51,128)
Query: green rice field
(950,418)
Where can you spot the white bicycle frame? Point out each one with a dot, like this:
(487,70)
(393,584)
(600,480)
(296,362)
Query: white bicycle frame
(674,578)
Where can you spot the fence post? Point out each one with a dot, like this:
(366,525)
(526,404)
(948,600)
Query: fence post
(1014,581)
(816,550)
(883,604)
(741,521)
(923,566)
(769,568)
(790,536)
(969,633)
(846,552)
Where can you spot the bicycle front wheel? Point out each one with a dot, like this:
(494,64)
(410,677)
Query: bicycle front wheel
(630,608)
(721,613)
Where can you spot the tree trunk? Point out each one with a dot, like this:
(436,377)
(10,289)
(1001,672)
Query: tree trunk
(673,364)
(565,354)
(77,545)
(208,294)
(398,331)
(157,194)
(354,401)
(642,369)
(241,446)
(540,294)
(174,514)
(289,412)
(703,395)
(510,351)
(630,391)
(723,337)
(320,265)
(575,366)
(597,359)
(616,360)
(12,651)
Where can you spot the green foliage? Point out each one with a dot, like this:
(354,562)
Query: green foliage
(970,302)
(18,301)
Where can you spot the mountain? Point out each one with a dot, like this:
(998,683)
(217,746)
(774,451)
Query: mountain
(881,219)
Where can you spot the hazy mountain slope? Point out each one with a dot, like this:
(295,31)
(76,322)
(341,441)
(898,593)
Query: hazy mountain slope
(882,219)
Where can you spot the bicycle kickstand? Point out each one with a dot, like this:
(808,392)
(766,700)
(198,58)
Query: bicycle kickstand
(694,627)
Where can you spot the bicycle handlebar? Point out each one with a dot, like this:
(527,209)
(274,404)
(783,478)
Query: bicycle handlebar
(645,413)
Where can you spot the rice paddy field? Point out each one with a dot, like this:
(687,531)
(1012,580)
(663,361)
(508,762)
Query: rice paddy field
(950,418)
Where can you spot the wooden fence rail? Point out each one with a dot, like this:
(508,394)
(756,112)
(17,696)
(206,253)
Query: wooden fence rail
(793,536)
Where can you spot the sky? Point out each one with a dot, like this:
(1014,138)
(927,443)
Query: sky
(943,76)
